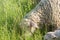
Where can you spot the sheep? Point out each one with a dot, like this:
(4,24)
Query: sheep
(46,12)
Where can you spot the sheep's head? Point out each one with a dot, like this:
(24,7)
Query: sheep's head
(28,26)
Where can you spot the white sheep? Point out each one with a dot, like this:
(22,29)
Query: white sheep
(45,13)
(52,35)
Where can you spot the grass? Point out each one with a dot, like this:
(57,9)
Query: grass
(11,13)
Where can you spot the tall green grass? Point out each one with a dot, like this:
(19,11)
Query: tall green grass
(11,13)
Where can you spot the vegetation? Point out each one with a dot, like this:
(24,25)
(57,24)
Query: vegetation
(11,12)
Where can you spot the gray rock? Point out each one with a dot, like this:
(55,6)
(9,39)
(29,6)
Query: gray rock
(52,35)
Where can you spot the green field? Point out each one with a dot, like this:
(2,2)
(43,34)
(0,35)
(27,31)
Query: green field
(11,13)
